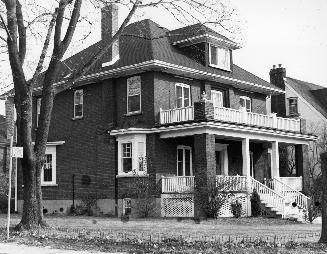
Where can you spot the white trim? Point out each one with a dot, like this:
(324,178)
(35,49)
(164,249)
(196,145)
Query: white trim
(134,139)
(182,147)
(82,103)
(206,35)
(304,100)
(51,150)
(127,86)
(216,65)
(53,143)
(162,64)
(182,85)
(113,61)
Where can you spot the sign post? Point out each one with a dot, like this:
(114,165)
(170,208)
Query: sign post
(16,152)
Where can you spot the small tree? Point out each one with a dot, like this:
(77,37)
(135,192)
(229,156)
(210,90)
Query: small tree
(255,204)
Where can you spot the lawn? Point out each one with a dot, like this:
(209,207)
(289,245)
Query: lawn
(224,235)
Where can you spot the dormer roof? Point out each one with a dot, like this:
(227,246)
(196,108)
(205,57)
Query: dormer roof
(198,33)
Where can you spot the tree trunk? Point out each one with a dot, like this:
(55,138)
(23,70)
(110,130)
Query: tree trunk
(323,238)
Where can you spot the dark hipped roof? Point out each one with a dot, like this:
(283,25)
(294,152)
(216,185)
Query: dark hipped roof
(147,41)
(314,94)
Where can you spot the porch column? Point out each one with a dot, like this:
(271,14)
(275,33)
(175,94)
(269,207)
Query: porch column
(302,164)
(225,162)
(246,157)
(274,160)
(204,170)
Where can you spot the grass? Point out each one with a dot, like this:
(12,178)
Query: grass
(110,234)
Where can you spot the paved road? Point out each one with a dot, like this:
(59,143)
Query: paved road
(12,248)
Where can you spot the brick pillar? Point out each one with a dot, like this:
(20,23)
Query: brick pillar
(203,110)
(204,170)
(302,164)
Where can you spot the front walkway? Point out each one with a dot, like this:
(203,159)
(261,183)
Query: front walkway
(14,248)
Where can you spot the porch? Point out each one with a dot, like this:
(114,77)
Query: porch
(235,116)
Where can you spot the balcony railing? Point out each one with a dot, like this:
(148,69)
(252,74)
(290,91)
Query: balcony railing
(234,116)
(178,184)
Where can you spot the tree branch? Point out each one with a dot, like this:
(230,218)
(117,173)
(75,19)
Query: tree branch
(6,29)
(45,48)
(21,32)
(59,22)
(72,25)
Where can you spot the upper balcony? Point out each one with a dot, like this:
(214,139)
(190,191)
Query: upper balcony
(230,115)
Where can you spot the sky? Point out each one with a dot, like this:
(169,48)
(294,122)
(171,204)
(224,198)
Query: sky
(287,32)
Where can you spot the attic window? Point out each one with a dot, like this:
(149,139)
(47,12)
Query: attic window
(219,57)
(293,108)
(78,104)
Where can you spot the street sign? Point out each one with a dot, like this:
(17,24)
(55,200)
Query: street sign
(17,152)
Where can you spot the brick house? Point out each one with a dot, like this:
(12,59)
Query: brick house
(170,107)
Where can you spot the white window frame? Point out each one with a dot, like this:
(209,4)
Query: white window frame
(182,147)
(134,78)
(38,110)
(138,154)
(82,103)
(221,94)
(50,150)
(246,99)
(182,85)
(227,68)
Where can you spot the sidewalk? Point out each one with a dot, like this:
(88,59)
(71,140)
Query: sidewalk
(13,248)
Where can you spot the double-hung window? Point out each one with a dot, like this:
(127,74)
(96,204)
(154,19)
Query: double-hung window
(48,173)
(134,95)
(219,57)
(293,106)
(78,104)
(184,161)
(245,102)
(132,155)
(183,95)
(217,98)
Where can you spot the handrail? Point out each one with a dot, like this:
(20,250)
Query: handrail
(288,192)
(272,198)
(177,184)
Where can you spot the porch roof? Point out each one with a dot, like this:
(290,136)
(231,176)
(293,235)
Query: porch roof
(224,130)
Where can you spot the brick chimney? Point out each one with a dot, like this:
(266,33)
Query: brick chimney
(109,27)
(278,101)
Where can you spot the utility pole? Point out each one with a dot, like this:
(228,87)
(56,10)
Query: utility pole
(9,191)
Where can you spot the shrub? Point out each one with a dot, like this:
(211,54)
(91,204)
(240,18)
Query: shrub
(236,209)
(255,204)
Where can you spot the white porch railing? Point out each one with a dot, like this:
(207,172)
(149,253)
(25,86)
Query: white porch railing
(288,192)
(176,115)
(178,184)
(250,118)
(232,183)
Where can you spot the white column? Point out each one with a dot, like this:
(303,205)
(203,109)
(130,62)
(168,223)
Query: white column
(225,155)
(246,156)
(274,160)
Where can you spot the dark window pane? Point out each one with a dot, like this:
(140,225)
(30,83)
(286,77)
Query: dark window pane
(186,91)
(134,103)
(127,165)
(213,55)
(187,162)
(180,162)
(179,97)
(47,168)
(79,110)
(293,106)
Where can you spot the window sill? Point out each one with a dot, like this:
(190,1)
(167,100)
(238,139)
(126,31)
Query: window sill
(49,184)
(134,113)
(131,175)
(78,118)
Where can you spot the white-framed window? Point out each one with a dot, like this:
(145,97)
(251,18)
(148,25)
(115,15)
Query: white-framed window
(184,161)
(78,104)
(127,206)
(219,57)
(132,155)
(217,98)
(48,173)
(38,110)
(183,95)
(134,95)
(245,102)
(293,106)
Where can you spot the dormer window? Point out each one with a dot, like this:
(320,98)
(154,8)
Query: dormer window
(219,57)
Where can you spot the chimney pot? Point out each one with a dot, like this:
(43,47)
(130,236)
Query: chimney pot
(279,65)
(274,66)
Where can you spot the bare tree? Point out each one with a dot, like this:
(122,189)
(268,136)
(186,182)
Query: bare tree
(58,22)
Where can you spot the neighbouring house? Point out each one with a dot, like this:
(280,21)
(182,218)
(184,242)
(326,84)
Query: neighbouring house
(172,108)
